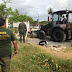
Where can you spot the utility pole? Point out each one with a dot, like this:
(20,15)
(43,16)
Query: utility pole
(38,19)
(66,8)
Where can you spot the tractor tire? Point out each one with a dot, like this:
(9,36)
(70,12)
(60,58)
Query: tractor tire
(41,35)
(58,35)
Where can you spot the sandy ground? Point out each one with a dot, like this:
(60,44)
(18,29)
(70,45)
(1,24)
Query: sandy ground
(59,49)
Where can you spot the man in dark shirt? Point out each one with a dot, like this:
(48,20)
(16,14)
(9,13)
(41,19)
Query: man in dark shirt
(22,31)
(6,37)
(64,21)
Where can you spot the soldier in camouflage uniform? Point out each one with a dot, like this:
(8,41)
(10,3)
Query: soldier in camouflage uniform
(22,31)
(6,37)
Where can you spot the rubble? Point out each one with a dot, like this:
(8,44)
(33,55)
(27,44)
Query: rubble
(56,47)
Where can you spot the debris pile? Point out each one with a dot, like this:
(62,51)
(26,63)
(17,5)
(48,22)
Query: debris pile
(56,47)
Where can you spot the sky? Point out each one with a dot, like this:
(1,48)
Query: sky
(39,8)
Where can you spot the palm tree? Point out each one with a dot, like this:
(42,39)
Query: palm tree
(50,11)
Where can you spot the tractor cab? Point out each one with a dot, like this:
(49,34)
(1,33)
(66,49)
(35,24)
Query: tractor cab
(62,17)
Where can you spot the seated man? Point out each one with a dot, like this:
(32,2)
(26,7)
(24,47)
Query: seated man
(64,21)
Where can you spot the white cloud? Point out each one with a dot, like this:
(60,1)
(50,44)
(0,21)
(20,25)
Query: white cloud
(35,7)
(64,4)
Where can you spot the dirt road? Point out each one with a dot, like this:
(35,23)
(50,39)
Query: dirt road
(49,42)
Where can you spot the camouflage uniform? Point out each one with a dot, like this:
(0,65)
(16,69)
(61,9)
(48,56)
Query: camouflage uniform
(5,64)
(22,31)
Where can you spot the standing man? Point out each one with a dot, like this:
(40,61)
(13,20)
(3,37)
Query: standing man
(22,31)
(6,37)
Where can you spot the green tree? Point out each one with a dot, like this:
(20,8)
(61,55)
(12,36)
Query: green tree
(43,22)
(19,18)
(4,11)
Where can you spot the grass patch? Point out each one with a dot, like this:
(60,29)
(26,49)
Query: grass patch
(31,58)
